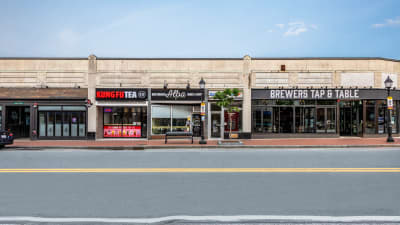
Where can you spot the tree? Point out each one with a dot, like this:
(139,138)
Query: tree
(225,100)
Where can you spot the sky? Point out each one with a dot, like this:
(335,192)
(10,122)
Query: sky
(198,29)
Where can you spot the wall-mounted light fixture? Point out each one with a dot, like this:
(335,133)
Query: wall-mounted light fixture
(188,85)
(165,85)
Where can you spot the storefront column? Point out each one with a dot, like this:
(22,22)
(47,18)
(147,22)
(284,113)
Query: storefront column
(92,111)
(149,125)
(246,121)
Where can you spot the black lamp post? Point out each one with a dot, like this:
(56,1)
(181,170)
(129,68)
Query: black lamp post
(388,86)
(202,85)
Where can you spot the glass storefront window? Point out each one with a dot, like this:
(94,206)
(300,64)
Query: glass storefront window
(326,102)
(124,122)
(74,124)
(394,118)
(275,119)
(305,119)
(284,102)
(180,114)
(58,124)
(49,108)
(257,125)
(286,119)
(236,119)
(320,120)
(324,116)
(66,120)
(381,116)
(370,127)
(54,121)
(215,107)
(300,116)
(216,125)
(331,120)
(50,123)
(175,118)
(82,125)
(42,124)
(267,120)
(161,119)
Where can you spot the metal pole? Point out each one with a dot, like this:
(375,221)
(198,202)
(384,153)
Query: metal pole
(389,138)
(202,117)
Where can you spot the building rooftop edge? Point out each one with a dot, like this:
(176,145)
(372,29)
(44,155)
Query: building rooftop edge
(255,58)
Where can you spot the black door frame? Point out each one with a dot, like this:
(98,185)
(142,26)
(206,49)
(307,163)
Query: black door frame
(359,109)
(26,130)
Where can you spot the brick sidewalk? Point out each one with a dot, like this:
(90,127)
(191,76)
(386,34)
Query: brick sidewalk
(299,142)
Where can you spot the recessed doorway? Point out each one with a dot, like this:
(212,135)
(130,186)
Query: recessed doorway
(351,118)
(18,120)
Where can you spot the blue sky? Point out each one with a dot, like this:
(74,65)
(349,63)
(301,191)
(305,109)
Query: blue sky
(216,28)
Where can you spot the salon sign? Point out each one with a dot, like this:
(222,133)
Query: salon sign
(176,94)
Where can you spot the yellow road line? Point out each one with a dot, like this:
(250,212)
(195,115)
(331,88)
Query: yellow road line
(199,170)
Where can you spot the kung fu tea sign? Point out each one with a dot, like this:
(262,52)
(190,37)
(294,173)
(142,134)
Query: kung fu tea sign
(308,93)
(121,94)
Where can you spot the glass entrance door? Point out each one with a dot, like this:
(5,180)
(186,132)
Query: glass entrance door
(216,125)
(350,118)
(18,120)
(326,120)
(286,120)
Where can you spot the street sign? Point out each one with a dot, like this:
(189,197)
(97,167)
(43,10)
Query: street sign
(203,109)
(390,102)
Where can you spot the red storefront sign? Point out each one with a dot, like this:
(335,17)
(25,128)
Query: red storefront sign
(121,94)
(122,131)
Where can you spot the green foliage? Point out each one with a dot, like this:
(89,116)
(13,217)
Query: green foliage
(225,99)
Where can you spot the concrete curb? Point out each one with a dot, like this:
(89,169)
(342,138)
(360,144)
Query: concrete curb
(149,147)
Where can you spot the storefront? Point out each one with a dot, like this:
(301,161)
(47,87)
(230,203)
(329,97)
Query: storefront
(62,121)
(175,110)
(327,112)
(44,113)
(122,113)
(218,123)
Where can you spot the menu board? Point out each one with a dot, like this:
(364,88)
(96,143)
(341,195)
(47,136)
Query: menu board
(122,131)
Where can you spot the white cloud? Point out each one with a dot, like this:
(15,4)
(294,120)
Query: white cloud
(295,28)
(388,22)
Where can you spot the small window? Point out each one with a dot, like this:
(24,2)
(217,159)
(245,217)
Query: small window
(74,108)
(49,108)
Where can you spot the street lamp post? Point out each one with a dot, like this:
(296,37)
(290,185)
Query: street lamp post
(202,85)
(389,103)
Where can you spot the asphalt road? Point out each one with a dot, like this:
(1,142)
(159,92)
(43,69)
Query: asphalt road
(108,194)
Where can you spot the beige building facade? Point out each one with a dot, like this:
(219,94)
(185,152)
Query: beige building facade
(46,98)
